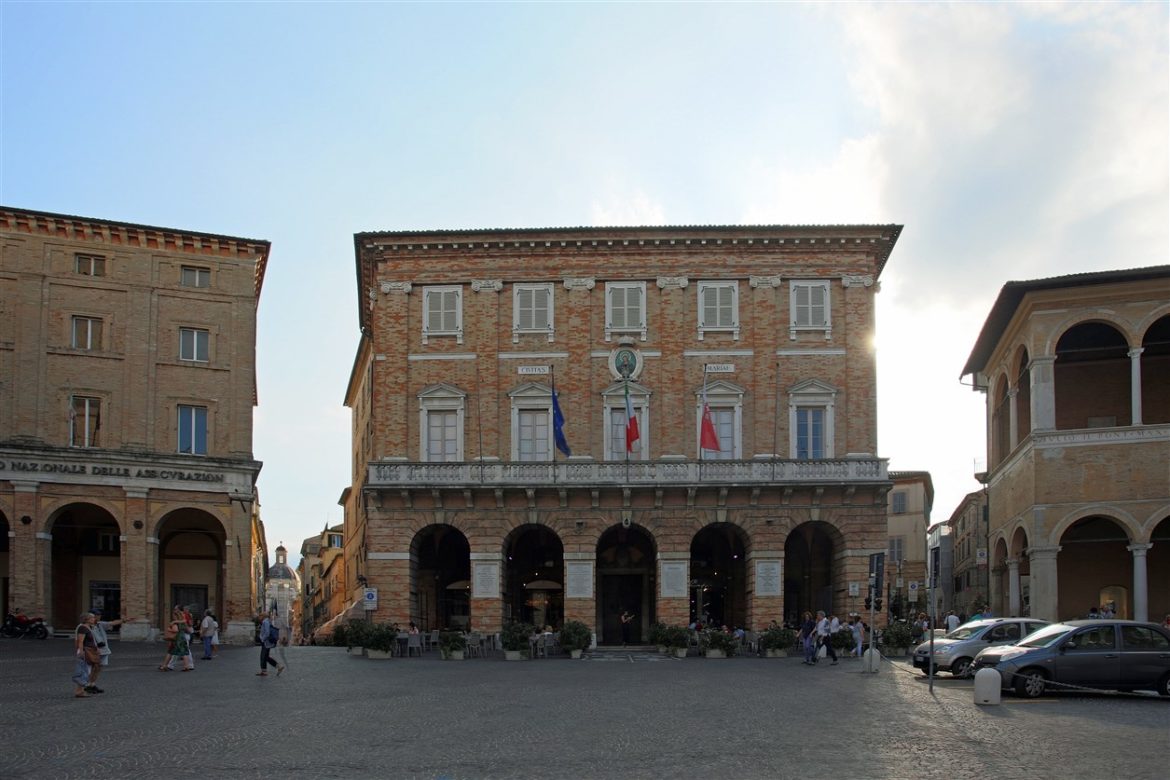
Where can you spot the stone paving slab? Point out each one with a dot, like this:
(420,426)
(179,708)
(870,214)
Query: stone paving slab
(331,715)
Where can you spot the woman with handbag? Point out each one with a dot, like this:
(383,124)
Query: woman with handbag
(86,653)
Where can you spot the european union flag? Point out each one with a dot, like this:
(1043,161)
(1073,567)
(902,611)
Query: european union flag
(559,424)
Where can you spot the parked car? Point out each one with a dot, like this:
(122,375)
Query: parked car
(955,652)
(1117,655)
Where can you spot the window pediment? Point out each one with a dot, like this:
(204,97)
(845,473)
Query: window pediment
(441,391)
(722,389)
(618,390)
(812,387)
(532,390)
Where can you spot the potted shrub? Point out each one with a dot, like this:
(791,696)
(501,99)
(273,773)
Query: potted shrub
(356,634)
(717,644)
(676,638)
(575,636)
(379,641)
(451,645)
(514,639)
(895,639)
(777,642)
(339,636)
(657,636)
(843,641)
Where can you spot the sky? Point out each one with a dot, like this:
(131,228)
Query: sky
(1014,141)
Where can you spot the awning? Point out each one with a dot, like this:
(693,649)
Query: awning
(543,585)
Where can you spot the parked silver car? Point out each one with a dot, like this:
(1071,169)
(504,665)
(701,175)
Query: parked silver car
(956,651)
(1116,655)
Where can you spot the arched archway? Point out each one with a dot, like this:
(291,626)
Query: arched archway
(719,576)
(1158,572)
(85,563)
(1092,377)
(1156,373)
(191,548)
(809,555)
(1093,563)
(1000,422)
(440,562)
(625,581)
(534,576)
(1019,548)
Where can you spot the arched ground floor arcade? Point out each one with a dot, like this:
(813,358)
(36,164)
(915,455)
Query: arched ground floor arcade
(483,563)
(131,547)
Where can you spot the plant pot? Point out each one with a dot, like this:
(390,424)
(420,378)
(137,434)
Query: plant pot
(513,655)
(679,652)
(356,652)
(378,655)
(713,653)
(662,649)
(453,655)
(574,653)
(773,652)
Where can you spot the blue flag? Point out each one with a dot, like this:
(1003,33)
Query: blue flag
(559,424)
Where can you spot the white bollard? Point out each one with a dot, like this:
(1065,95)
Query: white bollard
(987,682)
(871,661)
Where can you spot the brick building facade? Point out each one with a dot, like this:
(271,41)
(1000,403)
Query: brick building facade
(1076,370)
(464,513)
(127,385)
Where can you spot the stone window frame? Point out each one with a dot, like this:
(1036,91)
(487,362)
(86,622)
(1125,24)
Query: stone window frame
(441,398)
(796,324)
(428,330)
(194,358)
(724,396)
(192,275)
(812,394)
(706,288)
(92,344)
(640,327)
(179,425)
(92,438)
(531,397)
(614,400)
(88,264)
(549,328)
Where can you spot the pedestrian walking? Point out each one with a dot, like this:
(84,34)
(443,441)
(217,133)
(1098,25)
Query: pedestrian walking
(178,646)
(858,629)
(267,642)
(825,638)
(808,630)
(207,628)
(215,637)
(85,655)
(952,621)
(99,628)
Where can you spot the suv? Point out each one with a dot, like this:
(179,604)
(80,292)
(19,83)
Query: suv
(1119,655)
(956,651)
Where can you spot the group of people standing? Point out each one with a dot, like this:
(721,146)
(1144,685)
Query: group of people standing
(92,651)
(179,633)
(819,632)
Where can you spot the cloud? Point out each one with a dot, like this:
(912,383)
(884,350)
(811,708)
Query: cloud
(627,208)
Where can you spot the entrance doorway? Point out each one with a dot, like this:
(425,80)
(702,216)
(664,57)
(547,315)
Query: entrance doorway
(625,581)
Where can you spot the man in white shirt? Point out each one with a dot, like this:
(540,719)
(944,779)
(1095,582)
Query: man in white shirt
(207,629)
(952,621)
(824,638)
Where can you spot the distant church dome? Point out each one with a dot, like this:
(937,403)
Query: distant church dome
(281,570)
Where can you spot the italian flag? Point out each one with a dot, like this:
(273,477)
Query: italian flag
(631,422)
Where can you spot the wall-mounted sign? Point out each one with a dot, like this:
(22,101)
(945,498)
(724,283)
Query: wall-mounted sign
(854,589)
(485,582)
(532,370)
(768,580)
(674,579)
(370,599)
(578,580)
(721,368)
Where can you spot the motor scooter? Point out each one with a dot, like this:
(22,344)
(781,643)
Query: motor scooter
(17,625)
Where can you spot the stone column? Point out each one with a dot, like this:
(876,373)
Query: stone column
(27,571)
(1013,566)
(1044,585)
(1141,608)
(1135,388)
(995,590)
(1043,393)
(766,580)
(138,587)
(1013,419)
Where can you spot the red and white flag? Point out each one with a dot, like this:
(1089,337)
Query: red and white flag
(631,422)
(708,439)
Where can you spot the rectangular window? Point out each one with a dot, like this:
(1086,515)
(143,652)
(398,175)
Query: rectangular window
(724,421)
(810,432)
(442,436)
(193,276)
(193,429)
(85,421)
(87,333)
(625,308)
(718,307)
(335,540)
(532,309)
(443,314)
(533,435)
(810,307)
(895,549)
(193,344)
(899,502)
(89,265)
(617,434)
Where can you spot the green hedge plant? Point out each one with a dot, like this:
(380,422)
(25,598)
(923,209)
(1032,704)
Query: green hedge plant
(575,635)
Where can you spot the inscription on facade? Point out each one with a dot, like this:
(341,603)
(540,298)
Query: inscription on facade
(578,580)
(485,582)
(32,467)
(674,579)
(768,578)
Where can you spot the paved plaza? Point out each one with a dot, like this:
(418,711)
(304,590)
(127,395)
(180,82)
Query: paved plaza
(331,715)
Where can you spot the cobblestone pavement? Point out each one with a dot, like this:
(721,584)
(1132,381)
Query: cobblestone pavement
(331,715)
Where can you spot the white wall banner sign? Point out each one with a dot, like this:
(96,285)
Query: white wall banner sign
(485,580)
(578,580)
(674,579)
(768,579)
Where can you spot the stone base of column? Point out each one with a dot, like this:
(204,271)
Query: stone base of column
(138,631)
(238,632)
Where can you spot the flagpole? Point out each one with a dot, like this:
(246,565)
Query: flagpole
(552,372)
(627,429)
(702,411)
